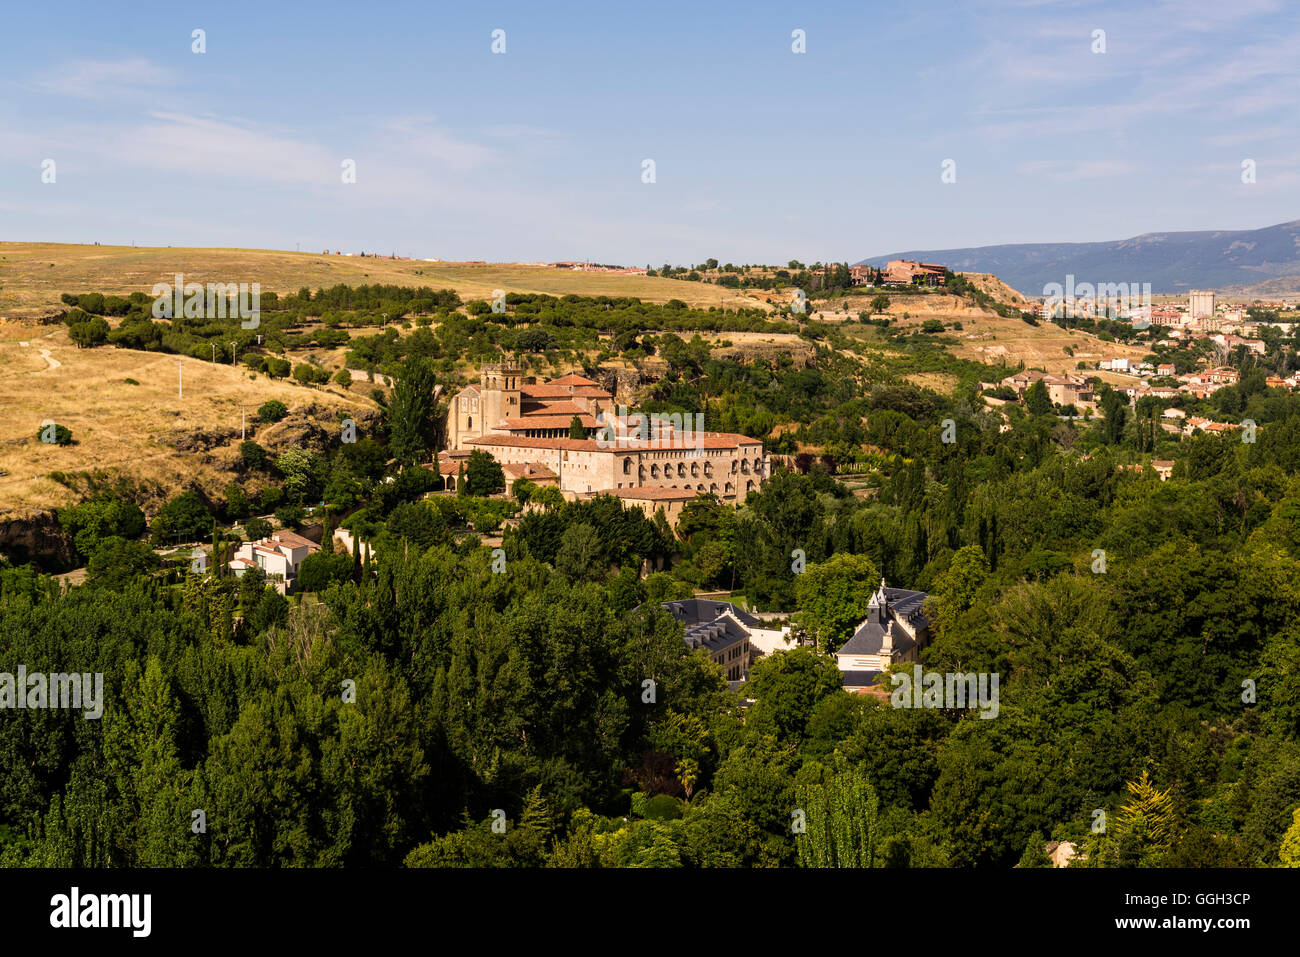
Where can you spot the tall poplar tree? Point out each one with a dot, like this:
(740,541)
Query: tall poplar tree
(412,413)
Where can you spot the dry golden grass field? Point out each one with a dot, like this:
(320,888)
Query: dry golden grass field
(43,376)
(34,275)
(137,429)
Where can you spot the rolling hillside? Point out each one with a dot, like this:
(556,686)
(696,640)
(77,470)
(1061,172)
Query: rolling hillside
(33,275)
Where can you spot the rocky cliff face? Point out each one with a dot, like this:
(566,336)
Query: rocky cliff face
(38,538)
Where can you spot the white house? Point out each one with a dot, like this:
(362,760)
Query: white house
(280,555)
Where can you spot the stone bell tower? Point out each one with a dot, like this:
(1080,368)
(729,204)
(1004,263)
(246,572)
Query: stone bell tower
(500,383)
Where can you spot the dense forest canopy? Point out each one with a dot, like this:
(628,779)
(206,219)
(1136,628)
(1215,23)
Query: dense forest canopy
(435,700)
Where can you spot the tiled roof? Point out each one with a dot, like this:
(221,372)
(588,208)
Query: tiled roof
(572,379)
(529,470)
(650,493)
(544,390)
(707,440)
(527,442)
(292,539)
(560,407)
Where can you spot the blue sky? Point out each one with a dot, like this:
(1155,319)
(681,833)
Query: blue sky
(761,154)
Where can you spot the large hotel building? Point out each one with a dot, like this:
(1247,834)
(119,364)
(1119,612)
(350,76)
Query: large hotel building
(525,426)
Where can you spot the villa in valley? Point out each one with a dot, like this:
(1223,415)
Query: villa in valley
(895,631)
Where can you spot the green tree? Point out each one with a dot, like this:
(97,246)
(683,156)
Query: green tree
(257,528)
(483,476)
(1037,401)
(1289,851)
(302,470)
(1114,408)
(833,597)
(787,686)
(956,588)
(580,557)
(412,413)
(841,820)
(1035,854)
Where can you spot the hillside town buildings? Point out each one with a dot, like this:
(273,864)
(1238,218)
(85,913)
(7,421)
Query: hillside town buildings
(1064,389)
(1200,303)
(908,272)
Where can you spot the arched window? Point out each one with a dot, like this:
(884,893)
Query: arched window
(627,466)
(695,468)
(744,466)
(708,470)
(469,421)
(730,489)
(758,466)
(681,470)
(749,486)
(654,471)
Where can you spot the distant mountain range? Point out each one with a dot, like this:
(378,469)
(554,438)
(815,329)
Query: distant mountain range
(1171,262)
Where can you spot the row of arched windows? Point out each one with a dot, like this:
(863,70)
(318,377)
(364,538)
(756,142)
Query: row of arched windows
(679,469)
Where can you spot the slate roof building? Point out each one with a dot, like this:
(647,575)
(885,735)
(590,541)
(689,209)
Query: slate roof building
(720,628)
(895,630)
(727,633)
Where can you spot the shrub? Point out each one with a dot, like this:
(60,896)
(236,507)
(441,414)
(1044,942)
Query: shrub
(662,807)
(257,528)
(92,302)
(272,411)
(52,434)
(254,455)
(290,516)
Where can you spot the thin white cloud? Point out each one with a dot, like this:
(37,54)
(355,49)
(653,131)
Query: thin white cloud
(102,79)
(1068,171)
(416,140)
